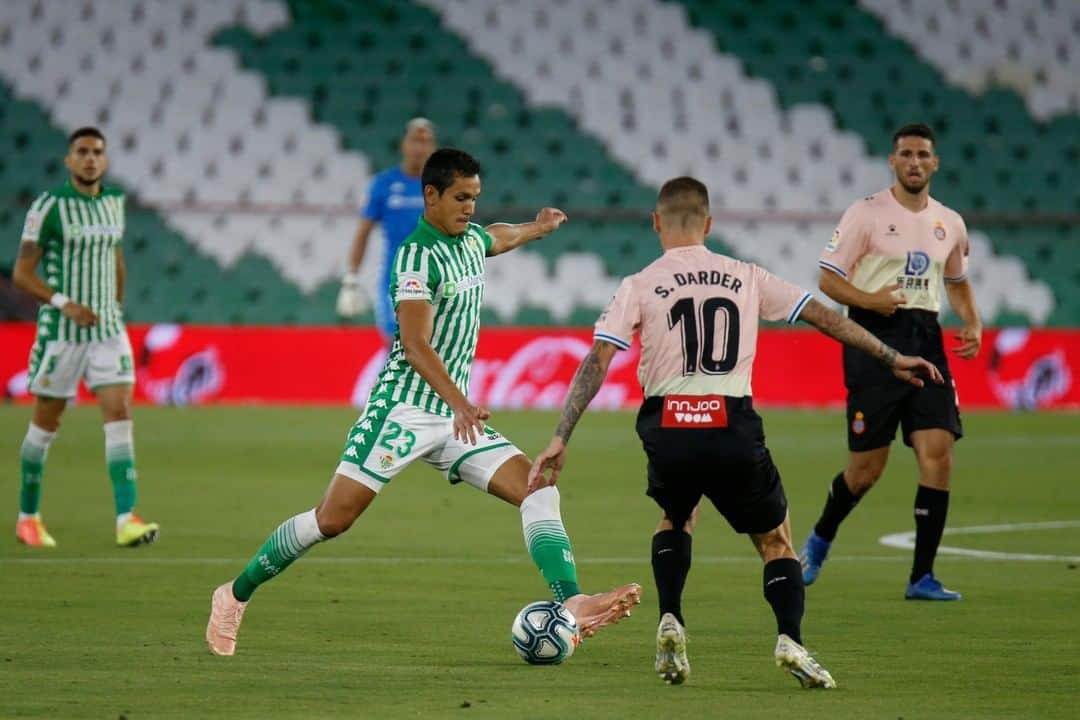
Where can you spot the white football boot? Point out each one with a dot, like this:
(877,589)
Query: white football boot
(794,658)
(672,665)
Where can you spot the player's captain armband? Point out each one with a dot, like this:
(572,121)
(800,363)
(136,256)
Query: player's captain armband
(32,226)
(412,286)
(694,411)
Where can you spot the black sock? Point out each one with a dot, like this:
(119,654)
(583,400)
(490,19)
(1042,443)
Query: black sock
(786,593)
(671,565)
(931,508)
(840,502)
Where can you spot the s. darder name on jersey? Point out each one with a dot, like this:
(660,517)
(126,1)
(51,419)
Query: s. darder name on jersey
(702,277)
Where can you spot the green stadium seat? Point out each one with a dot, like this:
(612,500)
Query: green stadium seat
(531,156)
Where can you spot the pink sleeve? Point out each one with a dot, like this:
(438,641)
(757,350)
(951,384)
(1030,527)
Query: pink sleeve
(778,299)
(957,262)
(849,242)
(621,319)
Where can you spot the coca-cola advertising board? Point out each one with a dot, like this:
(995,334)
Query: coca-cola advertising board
(530,367)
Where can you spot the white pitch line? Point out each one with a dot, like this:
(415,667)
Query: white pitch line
(900,541)
(906,541)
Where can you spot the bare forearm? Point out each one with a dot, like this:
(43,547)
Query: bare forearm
(962,301)
(424,360)
(359,246)
(510,237)
(843,291)
(31,284)
(840,328)
(24,276)
(121,279)
(587,381)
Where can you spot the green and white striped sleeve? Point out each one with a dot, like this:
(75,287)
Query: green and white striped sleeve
(415,274)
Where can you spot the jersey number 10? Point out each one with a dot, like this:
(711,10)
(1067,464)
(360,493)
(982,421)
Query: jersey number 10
(700,322)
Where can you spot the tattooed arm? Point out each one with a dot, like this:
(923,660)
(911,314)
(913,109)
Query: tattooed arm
(854,335)
(587,381)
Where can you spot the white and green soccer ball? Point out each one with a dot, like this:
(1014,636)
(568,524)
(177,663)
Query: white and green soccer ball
(545,633)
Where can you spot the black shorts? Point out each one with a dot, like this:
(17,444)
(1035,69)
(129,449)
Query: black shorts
(731,466)
(877,403)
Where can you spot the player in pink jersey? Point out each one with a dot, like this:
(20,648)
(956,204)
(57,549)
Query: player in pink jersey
(697,313)
(887,262)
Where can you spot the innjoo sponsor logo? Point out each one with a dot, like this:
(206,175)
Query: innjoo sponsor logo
(701,411)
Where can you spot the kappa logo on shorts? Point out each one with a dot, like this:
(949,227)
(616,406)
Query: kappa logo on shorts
(858,425)
(694,411)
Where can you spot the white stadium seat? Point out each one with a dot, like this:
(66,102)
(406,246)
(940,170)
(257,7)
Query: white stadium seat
(189,131)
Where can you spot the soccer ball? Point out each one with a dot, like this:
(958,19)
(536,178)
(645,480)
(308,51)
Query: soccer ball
(545,633)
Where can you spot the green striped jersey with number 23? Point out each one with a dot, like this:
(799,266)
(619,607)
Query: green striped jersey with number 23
(78,236)
(448,272)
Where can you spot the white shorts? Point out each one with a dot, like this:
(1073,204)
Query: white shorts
(57,366)
(385,441)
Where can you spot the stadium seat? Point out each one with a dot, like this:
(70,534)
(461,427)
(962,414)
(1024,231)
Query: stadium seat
(1029,47)
(272,103)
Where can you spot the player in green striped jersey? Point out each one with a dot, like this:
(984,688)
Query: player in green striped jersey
(74,233)
(418,409)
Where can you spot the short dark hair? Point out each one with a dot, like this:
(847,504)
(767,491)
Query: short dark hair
(445,165)
(683,197)
(87,131)
(915,130)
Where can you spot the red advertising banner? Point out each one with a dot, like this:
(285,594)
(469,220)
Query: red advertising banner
(530,368)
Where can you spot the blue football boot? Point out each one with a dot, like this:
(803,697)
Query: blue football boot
(929,588)
(812,557)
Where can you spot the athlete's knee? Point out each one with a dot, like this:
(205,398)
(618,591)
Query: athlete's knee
(333,521)
(335,517)
(774,545)
(678,518)
(47,413)
(115,404)
(936,458)
(48,424)
(115,414)
(690,522)
(344,501)
(862,474)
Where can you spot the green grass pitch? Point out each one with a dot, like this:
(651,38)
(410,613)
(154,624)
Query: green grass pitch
(408,614)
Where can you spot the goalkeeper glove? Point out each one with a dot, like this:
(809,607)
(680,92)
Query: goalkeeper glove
(351,300)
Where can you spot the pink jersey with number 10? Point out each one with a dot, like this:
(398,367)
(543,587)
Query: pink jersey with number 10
(697,312)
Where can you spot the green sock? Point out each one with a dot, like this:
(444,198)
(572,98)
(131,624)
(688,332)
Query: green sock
(32,454)
(548,543)
(291,540)
(120,459)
